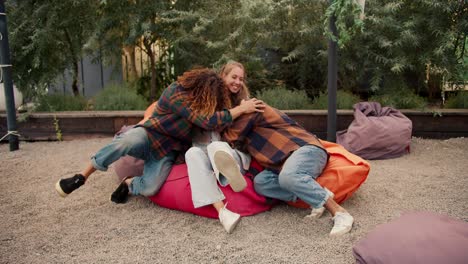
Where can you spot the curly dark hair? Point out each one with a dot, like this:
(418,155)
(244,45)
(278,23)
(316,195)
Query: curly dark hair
(207,91)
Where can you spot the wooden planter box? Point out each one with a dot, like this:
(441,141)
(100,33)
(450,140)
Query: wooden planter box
(444,123)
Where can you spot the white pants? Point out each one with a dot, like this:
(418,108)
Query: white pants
(203,174)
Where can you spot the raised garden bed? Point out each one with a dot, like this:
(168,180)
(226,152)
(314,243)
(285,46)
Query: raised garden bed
(444,123)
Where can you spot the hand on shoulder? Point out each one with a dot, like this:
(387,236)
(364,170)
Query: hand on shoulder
(252,105)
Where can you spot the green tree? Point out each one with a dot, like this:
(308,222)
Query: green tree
(214,32)
(297,46)
(46,37)
(408,43)
(149,25)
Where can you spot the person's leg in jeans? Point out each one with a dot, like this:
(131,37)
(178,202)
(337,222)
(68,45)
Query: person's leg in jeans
(297,180)
(205,190)
(155,173)
(134,142)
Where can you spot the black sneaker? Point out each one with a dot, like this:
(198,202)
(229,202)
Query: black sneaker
(120,195)
(65,186)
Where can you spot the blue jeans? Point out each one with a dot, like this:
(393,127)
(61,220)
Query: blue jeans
(135,143)
(297,178)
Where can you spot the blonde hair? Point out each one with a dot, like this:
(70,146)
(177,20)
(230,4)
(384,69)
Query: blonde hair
(207,91)
(244,93)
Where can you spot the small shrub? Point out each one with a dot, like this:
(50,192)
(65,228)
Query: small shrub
(400,99)
(119,97)
(344,100)
(458,101)
(281,98)
(60,102)
(142,85)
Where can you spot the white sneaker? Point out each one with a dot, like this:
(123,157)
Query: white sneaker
(343,224)
(228,219)
(228,166)
(316,213)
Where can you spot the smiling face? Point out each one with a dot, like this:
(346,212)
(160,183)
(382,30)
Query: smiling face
(234,79)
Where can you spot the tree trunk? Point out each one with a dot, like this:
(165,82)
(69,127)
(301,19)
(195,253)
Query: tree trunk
(75,89)
(131,62)
(75,62)
(153,87)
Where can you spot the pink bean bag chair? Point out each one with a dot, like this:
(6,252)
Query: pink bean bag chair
(176,193)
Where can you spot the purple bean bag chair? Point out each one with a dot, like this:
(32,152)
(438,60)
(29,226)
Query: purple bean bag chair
(376,132)
(416,237)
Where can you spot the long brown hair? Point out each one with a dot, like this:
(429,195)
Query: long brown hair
(244,93)
(207,92)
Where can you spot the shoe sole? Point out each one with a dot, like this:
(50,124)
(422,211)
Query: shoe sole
(233,226)
(316,213)
(227,165)
(59,190)
(341,232)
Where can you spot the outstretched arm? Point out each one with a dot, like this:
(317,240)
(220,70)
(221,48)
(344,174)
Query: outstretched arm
(177,104)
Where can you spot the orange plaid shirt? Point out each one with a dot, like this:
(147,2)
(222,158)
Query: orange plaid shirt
(270,137)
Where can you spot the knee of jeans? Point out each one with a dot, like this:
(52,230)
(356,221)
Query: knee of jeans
(194,153)
(127,142)
(260,183)
(149,191)
(259,187)
(288,181)
(259,180)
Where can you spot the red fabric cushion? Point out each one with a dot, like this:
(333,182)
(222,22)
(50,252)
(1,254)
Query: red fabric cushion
(176,194)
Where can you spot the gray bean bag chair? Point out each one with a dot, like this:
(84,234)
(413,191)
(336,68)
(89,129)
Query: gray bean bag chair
(416,237)
(376,132)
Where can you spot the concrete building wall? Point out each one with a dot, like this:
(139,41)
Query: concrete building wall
(93,77)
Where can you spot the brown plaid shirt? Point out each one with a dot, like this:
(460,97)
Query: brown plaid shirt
(270,137)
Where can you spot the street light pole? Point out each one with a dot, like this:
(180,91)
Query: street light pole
(5,65)
(332,80)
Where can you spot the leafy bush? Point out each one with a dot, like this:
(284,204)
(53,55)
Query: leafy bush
(281,98)
(400,99)
(60,102)
(119,97)
(344,100)
(458,101)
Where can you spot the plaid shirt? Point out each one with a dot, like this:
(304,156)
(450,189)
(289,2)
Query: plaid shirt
(270,137)
(170,126)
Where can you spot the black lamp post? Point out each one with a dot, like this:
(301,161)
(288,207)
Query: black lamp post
(5,66)
(332,81)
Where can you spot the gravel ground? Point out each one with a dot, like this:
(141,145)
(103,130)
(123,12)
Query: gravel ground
(38,226)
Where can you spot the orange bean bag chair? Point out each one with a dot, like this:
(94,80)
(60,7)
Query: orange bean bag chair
(343,175)
(148,112)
